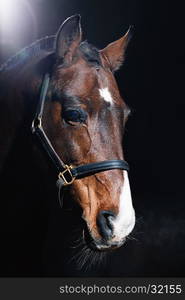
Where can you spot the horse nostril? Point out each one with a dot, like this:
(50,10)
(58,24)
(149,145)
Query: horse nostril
(104,223)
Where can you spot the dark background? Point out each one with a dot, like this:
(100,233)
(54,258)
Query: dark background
(152,83)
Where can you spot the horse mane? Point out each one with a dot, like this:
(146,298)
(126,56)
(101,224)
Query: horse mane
(46,44)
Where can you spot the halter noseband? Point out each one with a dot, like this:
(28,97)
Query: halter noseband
(67,173)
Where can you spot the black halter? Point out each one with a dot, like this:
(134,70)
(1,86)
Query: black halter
(67,173)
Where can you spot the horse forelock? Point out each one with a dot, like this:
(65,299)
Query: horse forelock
(90,53)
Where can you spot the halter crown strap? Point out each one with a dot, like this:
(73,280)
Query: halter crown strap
(67,174)
(39,112)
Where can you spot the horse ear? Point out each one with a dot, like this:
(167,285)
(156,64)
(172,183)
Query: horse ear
(68,38)
(115,52)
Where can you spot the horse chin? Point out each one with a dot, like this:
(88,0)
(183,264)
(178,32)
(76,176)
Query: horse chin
(101,245)
(112,245)
(104,246)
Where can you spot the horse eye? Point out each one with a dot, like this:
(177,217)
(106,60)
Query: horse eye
(74,116)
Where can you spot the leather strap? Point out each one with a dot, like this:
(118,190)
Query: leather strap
(43,93)
(93,168)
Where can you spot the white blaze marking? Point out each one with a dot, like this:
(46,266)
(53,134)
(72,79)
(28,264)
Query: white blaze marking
(125,219)
(106,95)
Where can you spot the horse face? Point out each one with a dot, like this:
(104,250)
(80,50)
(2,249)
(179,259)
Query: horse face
(85,122)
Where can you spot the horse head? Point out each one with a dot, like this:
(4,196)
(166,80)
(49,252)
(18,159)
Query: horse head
(84,118)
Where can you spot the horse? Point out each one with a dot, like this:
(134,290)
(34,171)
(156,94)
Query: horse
(62,123)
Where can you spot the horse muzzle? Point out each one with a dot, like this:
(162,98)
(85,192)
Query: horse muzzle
(109,237)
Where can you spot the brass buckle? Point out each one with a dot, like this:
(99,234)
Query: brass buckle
(66,180)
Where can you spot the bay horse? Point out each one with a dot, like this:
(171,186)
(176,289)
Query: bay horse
(62,120)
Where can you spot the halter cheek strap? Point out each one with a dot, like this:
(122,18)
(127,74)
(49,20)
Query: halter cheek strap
(67,173)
